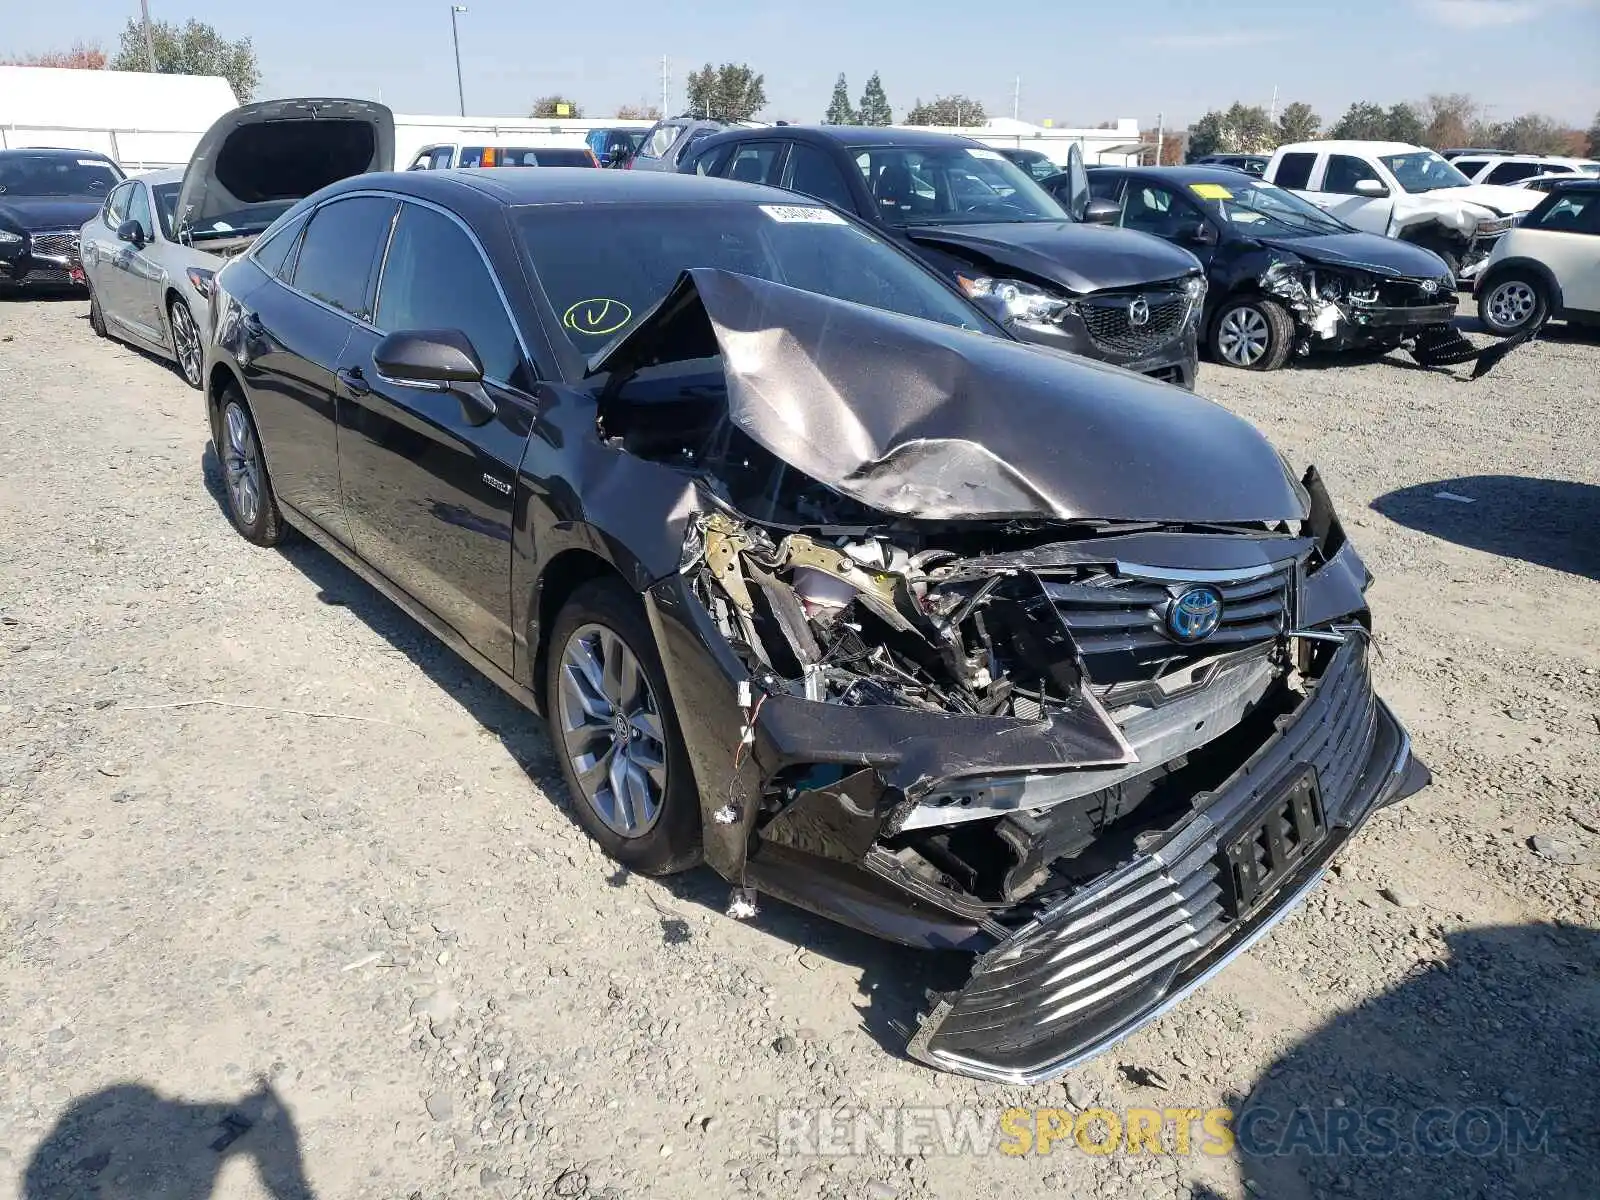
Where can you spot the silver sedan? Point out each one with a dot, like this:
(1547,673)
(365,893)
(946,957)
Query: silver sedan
(145,286)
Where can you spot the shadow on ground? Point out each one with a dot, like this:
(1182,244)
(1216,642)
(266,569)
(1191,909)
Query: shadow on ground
(1550,522)
(133,1143)
(894,979)
(1477,1077)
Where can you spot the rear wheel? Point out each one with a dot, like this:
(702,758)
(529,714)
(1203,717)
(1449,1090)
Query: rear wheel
(616,734)
(186,349)
(1512,303)
(1252,332)
(251,501)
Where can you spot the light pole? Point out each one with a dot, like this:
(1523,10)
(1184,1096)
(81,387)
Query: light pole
(455,39)
(149,43)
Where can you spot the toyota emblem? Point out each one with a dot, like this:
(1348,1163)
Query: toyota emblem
(1139,312)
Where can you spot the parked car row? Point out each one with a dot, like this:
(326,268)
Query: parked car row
(45,197)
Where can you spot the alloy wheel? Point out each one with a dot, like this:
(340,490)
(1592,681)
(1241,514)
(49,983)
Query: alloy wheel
(242,464)
(1243,336)
(1511,304)
(186,343)
(611,729)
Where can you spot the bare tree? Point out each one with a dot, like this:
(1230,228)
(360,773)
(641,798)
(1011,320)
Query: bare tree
(84,56)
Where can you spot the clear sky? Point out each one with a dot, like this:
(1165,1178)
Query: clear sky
(1080,63)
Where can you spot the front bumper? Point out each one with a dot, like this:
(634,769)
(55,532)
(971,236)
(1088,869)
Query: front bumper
(1413,316)
(44,259)
(1111,957)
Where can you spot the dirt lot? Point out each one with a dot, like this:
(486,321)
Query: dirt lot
(290,905)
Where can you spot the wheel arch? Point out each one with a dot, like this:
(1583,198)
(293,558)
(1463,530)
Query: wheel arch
(220,378)
(567,571)
(1531,266)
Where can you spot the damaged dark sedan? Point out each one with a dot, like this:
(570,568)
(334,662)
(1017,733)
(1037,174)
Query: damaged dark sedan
(824,581)
(1285,277)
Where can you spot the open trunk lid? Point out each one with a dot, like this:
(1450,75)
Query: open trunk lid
(257,160)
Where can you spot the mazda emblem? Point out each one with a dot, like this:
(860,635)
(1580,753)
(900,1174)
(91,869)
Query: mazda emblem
(1139,312)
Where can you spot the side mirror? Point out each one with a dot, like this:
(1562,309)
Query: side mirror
(1370,187)
(1202,235)
(1102,212)
(131,232)
(436,360)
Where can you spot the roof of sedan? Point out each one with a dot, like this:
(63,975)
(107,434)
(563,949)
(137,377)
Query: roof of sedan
(575,185)
(851,135)
(166,175)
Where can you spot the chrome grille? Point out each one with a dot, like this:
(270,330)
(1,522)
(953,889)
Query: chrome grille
(58,244)
(1109,320)
(1108,613)
(1131,928)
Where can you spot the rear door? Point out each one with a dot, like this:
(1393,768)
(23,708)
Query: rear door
(429,485)
(296,331)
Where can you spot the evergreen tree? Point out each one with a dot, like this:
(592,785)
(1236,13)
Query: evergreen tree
(839,110)
(874,108)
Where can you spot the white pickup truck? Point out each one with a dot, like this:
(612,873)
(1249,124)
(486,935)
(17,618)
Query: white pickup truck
(1403,192)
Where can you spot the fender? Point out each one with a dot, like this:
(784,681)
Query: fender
(1531,266)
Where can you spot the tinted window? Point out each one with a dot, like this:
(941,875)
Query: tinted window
(1101,186)
(1570,212)
(603,269)
(1511,172)
(1344,172)
(755,162)
(117,205)
(1468,166)
(434,278)
(1151,208)
(341,245)
(1294,170)
(694,137)
(811,171)
(661,137)
(275,255)
(443,158)
(166,197)
(951,184)
(561,156)
(139,211)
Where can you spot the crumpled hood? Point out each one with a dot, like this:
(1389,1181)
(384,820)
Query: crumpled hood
(282,150)
(918,419)
(1502,201)
(1389,257)
(28,214)
(1079,258)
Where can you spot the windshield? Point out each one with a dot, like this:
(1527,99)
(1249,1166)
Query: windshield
(1260,208)
(604,266)
(166,195)
(949,185)
(56,175)
(1423,171)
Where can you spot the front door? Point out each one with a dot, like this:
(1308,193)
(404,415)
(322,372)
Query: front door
(1337,194)
(294,347)
(138,284)
(429,485)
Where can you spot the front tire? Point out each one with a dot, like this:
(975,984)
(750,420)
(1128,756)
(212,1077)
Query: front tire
(186,349)
(97,317)
(615,732)
(252,504)
(1252,333)
(1514,302)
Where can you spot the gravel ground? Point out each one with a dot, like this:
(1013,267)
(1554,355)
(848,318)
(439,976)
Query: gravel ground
(290,903)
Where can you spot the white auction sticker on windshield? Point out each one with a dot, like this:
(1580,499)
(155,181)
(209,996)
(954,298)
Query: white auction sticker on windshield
(90,162)
(992,155)
(802,214)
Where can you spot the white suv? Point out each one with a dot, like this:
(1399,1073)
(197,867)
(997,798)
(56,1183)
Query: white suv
(1548,266)
(1508,169)
(1403,192)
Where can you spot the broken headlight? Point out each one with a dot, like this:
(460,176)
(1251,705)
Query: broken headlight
(1014,300)
(1195,288)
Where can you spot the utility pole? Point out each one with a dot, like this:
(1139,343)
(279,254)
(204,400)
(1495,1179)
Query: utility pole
(1161,124)
(1016,100)
(149,42)
(455,39)
(666,79)
(1274,113)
